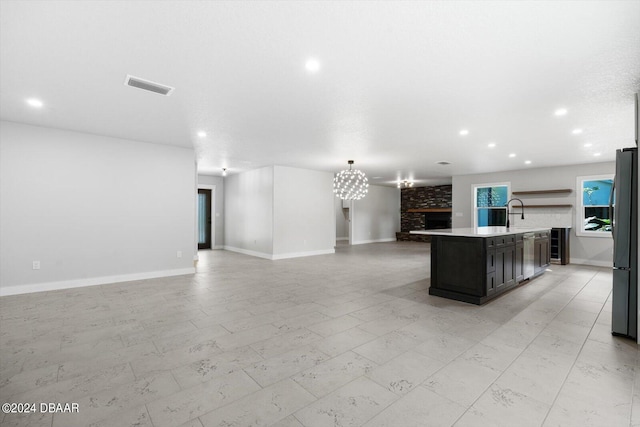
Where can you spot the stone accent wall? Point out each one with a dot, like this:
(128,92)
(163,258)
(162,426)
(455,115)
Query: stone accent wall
(439,196)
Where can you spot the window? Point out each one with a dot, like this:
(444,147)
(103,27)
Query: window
(489,201)
(593,194)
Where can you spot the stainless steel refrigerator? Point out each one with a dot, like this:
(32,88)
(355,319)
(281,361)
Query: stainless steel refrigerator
(625,244)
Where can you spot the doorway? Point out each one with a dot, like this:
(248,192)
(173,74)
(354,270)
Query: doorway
(204,218)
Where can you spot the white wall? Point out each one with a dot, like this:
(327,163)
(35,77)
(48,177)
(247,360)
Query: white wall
(218,206)
(303,212)
(279,212)
(376,218)
(342,220)
(91,209)
(248,212)
(584,250)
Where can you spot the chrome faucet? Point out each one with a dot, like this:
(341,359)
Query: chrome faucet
(507,205)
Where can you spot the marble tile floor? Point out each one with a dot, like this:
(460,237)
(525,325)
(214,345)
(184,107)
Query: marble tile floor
(351,339)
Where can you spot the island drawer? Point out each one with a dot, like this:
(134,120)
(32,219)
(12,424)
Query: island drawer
(491,242)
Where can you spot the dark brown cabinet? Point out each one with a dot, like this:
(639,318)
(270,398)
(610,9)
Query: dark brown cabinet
(477,269)
(541,253)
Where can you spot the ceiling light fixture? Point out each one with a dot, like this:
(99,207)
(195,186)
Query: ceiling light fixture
(224,171)
(350,184)
(312,65)
(560,112)
(492,145)
(527,162)
(202,134)
(464,132)
(35,103)
(512,155)
(405,183)
(576,131)
(596,154)
(588,144)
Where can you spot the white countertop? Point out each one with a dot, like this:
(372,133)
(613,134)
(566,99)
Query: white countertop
(480,231)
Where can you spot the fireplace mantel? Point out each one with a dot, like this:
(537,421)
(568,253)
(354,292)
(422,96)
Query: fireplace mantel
(426,210)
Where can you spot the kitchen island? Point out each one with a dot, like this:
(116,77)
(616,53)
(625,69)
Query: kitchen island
(477,264)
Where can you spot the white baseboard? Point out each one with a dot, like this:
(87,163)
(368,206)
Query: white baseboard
(591,262)
(303,254)
(91,281)
(279,256)
(218,247)
(342,238)
(364,242)
(247,252)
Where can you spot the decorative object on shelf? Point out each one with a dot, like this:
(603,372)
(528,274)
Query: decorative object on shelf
(350,184)
(405,184)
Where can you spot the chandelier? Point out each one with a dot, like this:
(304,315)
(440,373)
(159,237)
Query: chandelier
(350,184)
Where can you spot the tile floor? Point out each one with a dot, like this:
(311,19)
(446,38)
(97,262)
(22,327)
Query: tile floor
(337,340)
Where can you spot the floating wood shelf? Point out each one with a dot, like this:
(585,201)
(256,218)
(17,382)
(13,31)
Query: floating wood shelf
(424,210)
(541,206)
(532,192)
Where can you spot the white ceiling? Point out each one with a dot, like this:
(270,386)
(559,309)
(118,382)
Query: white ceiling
(398,80)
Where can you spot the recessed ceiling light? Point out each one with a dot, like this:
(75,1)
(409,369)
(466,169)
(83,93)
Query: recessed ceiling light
(35,103)
(560,112)
(376,177)
(596,154)
(588,144)
(576,131)
(312,65)
(202,134)
(512,155)
(492,145)
(464,132)
(527,162)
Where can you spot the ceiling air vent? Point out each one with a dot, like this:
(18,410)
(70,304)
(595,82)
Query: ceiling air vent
(443,162)
(148,85)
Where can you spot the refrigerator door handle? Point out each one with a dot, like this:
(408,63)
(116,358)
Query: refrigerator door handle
(613,190)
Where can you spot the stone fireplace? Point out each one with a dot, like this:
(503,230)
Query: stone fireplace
(424,208)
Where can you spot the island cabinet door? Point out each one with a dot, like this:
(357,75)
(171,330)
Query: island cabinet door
(491,268)
(510,266)
(505,267)
(491,283)
(541,254)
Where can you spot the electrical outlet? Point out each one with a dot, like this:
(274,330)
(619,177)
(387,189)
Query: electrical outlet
(36,265)
(179,254)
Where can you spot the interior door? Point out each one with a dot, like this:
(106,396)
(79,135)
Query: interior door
(204,219)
